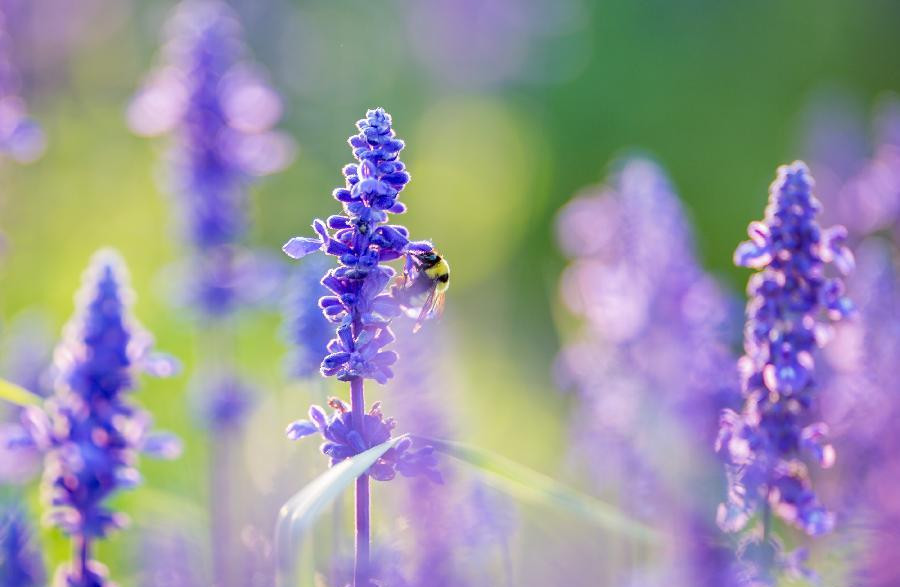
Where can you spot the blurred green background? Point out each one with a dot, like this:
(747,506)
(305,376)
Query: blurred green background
(505,115)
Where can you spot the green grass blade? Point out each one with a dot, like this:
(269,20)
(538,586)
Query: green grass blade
(528,485)
(20,396)
(300,512)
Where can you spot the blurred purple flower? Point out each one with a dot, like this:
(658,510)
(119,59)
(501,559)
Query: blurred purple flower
(654,342)
(224,278)
(306,328)
(20,137)
(859,398)
(362,307)
(362,242)
(861,190)
(452,525)
(221,110)
(861,402)
(20,561)
(223,401)
(768,441)
(90,432)
(654,319)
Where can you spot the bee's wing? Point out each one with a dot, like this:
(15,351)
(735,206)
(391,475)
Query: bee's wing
(427,307)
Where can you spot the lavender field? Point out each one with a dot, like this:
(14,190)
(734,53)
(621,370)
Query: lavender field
(433,293)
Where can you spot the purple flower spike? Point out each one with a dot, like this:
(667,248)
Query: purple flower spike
(654,340)
(791,299)
(342,441)
(90,431)
(21,138)
(359,303)
(221,113)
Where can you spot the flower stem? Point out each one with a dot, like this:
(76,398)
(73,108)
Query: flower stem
(767,521)
(82,556)
(361,566)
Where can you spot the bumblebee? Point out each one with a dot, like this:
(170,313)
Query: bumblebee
(422,288)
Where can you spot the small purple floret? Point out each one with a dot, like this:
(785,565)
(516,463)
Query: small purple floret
(342,441)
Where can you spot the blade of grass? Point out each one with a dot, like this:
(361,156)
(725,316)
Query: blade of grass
(300,512)
(15,394)
(528,485)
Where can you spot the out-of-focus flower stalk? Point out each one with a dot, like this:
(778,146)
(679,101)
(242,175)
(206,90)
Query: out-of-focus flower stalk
(90,432)
(220,112)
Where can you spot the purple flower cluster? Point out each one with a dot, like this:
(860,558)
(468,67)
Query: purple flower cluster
(363,240)
(653,318)
(20,136)
(20,564)
(768,441)
(654,341)
(361,305)
(344,440)
(90,432)
(222,112)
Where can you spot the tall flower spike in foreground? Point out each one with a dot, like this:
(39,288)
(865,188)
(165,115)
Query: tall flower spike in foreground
(90,431)
(361,308)
(768,442)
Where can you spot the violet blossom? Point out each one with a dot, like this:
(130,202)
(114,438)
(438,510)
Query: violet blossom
(90,431)
(361,306)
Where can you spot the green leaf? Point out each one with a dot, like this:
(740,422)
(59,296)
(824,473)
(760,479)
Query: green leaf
(20,396)
(528,485)
(300,512)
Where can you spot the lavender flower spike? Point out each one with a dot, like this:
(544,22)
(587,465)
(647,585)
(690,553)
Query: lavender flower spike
(362,306)
(221,111)
(305,326)
(89,430)
(363,240)
(768,443)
